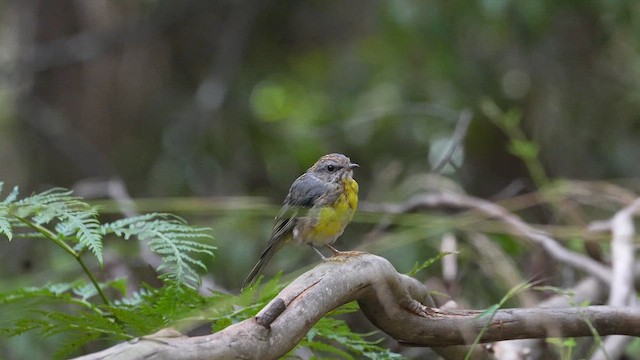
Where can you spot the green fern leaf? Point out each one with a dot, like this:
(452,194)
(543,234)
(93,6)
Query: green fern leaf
(5,226)
(13,195)
(73,218)
(71,345)
(87,229)
(172,239)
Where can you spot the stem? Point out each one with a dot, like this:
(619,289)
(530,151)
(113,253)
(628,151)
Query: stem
(93,280)
(51,236)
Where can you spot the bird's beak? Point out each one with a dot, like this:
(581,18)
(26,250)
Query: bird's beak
(353,166)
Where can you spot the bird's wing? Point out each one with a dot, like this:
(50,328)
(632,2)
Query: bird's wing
(303,193)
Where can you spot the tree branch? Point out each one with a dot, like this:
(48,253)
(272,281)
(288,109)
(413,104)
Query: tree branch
(622,290)
(392,301)
(519,227)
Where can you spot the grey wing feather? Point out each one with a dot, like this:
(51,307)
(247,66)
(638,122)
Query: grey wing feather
(303,194)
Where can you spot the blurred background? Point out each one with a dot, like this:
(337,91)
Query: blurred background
(210,109)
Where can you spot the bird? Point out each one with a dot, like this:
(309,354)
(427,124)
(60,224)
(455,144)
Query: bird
(319,206)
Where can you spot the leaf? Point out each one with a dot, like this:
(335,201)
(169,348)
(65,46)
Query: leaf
(5,227)
(13,195)
(334,337)
(220,324)
(87,228)
(419,267)
(72,344)
(73,218)
(172,239)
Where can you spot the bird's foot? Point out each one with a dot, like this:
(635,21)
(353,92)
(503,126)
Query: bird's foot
(341,255)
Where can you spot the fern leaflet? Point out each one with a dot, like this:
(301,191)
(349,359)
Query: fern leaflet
(172,239)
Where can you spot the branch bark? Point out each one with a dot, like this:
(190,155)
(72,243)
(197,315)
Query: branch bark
(393,302)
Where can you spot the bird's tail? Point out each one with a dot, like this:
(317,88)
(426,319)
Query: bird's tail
(266,256)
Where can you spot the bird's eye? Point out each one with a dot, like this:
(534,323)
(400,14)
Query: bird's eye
(331,168)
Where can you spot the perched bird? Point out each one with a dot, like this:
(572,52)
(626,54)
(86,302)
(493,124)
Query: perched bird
(320,204)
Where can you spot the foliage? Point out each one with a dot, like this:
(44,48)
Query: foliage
(417,267)
(171,238)
(331,337)
(564,346)
(70,309)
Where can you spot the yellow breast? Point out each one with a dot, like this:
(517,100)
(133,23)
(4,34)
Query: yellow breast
(333,219)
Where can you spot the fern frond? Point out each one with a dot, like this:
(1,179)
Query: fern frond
(5,226)
(13,195)
(80,327)
(330,331)
(172,239)
(73,344)
(86,227)
(73,218)
(45,206)
(78,293)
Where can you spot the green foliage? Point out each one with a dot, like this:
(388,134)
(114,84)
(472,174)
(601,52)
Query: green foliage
(73,225)
(332,338)
(60,308)
(490,312)
(73,310)
(172,239)
(510,123)
(417,267)
(70,308)
(72,219)
(564,346)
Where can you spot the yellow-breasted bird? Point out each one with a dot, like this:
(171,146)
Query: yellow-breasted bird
(320,204)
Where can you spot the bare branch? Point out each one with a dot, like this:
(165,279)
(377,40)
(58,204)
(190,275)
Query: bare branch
(622,291)
(392,301)
(464,119)
(521,228)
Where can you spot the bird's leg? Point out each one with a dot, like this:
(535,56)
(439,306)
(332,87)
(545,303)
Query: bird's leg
(335,251)
(318,252)
(342,254)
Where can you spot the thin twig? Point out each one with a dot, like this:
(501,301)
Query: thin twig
(459,134)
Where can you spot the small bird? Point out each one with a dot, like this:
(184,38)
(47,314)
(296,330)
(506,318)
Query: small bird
(320,204)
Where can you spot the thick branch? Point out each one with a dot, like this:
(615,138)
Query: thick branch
(390,300)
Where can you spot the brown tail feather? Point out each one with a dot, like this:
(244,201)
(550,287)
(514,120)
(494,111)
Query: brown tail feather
(266,256)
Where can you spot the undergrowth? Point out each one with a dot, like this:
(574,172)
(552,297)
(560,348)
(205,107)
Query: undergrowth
(87,311)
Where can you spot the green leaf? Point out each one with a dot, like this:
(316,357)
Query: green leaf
(87,228)
(334,338)
(13,195)
(489,311)
(73,219)
(221,324)
(419,267)
(172,239)
(5,227)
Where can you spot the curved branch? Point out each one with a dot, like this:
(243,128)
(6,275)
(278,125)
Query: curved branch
(392,301)
(520,228)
